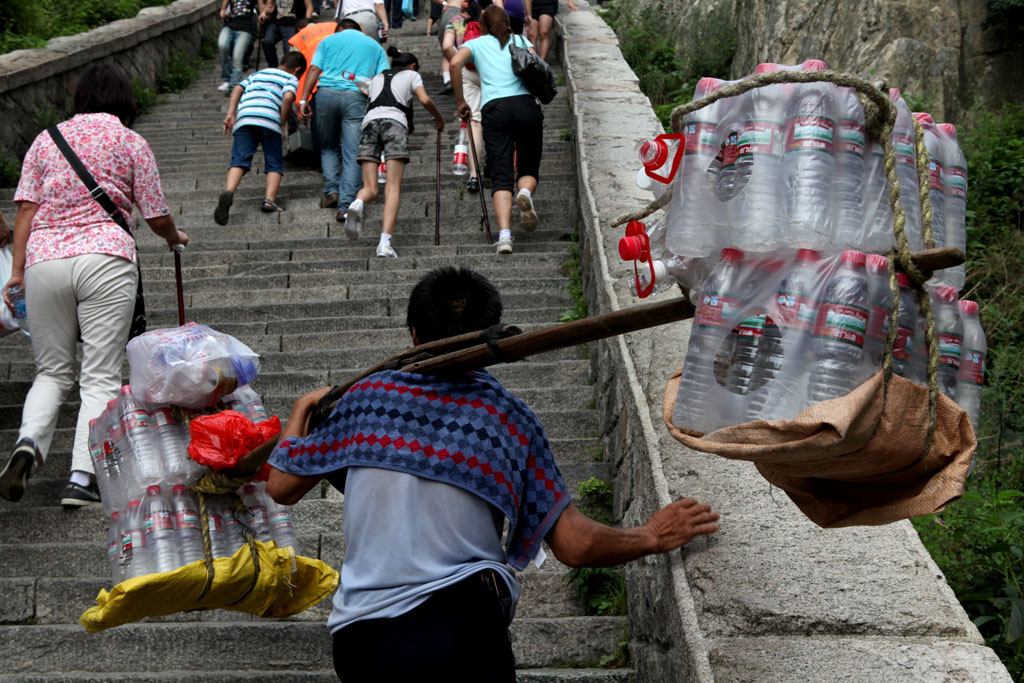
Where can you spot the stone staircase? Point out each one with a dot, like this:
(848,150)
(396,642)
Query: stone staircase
(318,308)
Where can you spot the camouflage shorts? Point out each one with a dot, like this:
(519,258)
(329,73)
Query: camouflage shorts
(385,136)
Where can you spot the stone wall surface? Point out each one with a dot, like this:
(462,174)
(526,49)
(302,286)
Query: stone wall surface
(771,596)
(37,86)
(949,55)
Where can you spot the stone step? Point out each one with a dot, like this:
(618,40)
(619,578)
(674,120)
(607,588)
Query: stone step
(572,675)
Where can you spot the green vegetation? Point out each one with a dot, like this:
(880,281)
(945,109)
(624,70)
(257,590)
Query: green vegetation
(603,590)
(26,24)
(979,541)
(574,271)
(668,76)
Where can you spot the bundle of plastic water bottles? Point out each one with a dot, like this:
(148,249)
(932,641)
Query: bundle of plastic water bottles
(143,469)
(776,210)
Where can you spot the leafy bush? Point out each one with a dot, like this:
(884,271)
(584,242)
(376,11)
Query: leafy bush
(30,23)
(601,590)
(179,72)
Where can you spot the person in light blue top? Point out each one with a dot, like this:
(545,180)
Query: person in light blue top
(512,121)
(342,63)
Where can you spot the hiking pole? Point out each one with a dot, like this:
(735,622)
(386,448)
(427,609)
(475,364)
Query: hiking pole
(437,195)
(479,176)
(178,248)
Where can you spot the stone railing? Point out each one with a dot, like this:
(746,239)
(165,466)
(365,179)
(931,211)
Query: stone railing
(771,597)
(43,80)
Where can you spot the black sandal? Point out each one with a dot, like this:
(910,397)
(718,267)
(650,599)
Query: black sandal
(269,206)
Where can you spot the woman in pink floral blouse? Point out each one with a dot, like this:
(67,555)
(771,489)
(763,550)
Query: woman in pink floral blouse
(78,269)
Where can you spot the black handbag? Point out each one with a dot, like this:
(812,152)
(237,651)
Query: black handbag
(138,325)
(533,71)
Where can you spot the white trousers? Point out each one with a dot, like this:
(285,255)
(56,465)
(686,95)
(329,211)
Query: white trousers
(94,293)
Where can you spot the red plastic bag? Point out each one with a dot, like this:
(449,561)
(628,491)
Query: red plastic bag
(219,440)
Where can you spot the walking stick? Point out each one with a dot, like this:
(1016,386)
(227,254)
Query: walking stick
(437,195)
(479,176)
(178,248)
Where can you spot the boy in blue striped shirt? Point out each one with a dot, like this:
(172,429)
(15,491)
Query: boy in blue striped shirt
(257,112)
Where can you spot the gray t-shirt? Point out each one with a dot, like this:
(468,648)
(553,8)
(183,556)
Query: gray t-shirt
(403,87)
(406,537)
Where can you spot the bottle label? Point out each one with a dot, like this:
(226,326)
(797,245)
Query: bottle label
(903,146)
(112,548)
(903,347)
(879,327)
(281,519)
(136,418)
(757,137)
(216,524)
(810,133)
(851,137)
(257,515)
(950,348)
(752,327)
(131,539)
(729,150)
(842,323)
(158,520)
(972,370)
(700,138)
(796,312)
(715,309)
(956,182)
(258,412)
(935,174)
(96,453)
(186,519)
(461,157)
(162,417)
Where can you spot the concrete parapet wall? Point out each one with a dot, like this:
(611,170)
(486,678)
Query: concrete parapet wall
(37,86)
(771,596)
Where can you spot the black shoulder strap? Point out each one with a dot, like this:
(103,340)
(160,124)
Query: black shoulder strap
(386,97)
(95,191)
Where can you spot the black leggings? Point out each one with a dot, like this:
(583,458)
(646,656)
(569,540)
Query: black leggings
(459,635)
(513,138)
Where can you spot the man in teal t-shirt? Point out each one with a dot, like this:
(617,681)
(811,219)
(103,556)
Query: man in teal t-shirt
(342,62)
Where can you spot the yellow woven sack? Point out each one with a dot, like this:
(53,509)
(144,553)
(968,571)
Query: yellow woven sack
(272,591)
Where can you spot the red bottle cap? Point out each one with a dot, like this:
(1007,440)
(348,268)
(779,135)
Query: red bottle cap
(808,255)
(707,84)
(968,306)
(946,293)
(923,117)
(877,262)
(813,65)
(126,390)
(653,153)
(115,514)
(894,94)
(903,279)
(732,254)
(949,129)
(766,67)
(134,503)
(853,256)
(178,488)
(153,490)
(630,248)
(92,423)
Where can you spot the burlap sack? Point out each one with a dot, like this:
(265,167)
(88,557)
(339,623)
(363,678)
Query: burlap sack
(848,462)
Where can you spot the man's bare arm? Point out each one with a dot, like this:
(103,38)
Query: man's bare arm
(579,541)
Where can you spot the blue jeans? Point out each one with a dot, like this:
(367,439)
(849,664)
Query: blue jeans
(232,47)
(276,33)
(336,123)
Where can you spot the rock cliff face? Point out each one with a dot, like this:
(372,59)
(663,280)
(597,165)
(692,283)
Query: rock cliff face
(949,55)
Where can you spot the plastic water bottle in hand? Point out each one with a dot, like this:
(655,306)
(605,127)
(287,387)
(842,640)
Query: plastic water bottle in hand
(16,295)
(949,329)
(460,158)
(837,345)
(187,524)
(382,173)
(257,517)
(138,430)
(134,554)
(161,537)
(972,366)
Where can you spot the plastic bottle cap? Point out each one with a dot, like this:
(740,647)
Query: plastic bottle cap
(178,488)
(732,254)
(903,279)
(134,503)
(126,390)
(92,423)
(808,255)
(968,306)
(115,514)
(813,65)
(660,271)
(949,129)
(853,256)
(894,94)
(946,293)
(653,153)
(630,248)
(877,262)
(923,117)
(708,84)
(766,67)
(153,490)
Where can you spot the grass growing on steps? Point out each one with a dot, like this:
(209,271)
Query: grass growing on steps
(573,268)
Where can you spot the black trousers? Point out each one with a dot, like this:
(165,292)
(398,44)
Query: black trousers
(459,635)
(513,138)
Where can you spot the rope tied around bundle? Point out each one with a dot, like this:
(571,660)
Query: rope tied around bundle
(880,118)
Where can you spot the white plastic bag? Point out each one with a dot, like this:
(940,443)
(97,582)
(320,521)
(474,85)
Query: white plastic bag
(8,323)
(191,366)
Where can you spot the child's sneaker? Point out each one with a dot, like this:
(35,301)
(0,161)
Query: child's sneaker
(527,217)
(386,251)
(223,210)
(354,220)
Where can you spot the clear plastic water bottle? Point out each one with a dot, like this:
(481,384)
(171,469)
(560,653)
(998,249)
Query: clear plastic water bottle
(234,537)
(936,176)
(138,430)
(257,517)
(161,536)
(117,452)
(838,340)
(382,172)
(903,350)
(727,174)
(280,522)
(114,547)
(134,553)
(972,366)
(956,202)
(904,145)
(171,438)
(949,329)
(848,185)
(808,164)
(711,324)
(16,295)
(248,402)
(881,310)
(99,466)
(758,220)
(878,234)
(187,524)
(219,546)
(460,158)
(745,344)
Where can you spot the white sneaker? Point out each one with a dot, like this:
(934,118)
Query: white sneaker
(354,219)
(223,87)
(386,250)
(527,216)
(504,246)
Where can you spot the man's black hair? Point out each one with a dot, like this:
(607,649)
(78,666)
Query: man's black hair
(345,24)
(449,301)
(105,89)
(292,60)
